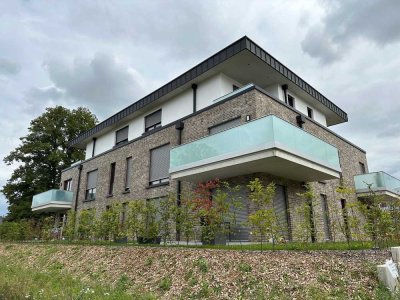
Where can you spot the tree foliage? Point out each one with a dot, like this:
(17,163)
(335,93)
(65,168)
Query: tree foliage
(41,156)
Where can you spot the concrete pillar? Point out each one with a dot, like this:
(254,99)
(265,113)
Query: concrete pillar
(388,275)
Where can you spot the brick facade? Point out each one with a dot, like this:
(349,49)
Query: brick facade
(254,103)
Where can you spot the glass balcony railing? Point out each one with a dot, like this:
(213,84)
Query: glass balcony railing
(377,181)
(265,133)
(56,197)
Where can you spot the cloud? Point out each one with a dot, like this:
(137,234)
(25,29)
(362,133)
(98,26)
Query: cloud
(94,82)
(346,22)
(8,67)
(49,92)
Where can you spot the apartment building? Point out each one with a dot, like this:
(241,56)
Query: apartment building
(238,115)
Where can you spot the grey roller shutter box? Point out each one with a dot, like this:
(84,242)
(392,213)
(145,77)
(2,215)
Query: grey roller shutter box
(159,163)
(325,216)
(225,126)
(281,211)
(237,224)
(91,180)
(153,119)
(122,135)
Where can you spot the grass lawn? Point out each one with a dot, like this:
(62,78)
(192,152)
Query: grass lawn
(292,246)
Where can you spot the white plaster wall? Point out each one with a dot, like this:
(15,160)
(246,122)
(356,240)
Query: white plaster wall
(275,90)
(172,110)
(178,107)
(213,88)
(301,106)
(89,149)
(105,142)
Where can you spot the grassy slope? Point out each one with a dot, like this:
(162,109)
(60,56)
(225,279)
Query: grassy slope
(109,272)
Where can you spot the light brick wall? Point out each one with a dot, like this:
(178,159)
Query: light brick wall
(253,103)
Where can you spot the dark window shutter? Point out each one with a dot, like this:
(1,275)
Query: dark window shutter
(159,163)
(325,216)
(225,126)
(91,180)
(128,173)
(153,119)
(121,135)
(281,211)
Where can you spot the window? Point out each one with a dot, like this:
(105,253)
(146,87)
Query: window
(235,87)
(68,185)
(121,136)
(152,121)
(325,216)
(159,165)
(128,173)
(224,126)
(362,168)
(112,177)
(291,101)
(91,185)
(345,218)
(309,112)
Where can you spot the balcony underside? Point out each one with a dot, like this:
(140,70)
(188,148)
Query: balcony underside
(56,206)
(272,161)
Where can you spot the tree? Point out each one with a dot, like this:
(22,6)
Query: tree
(306,228)
(167,214)
(41,156)
(263,220)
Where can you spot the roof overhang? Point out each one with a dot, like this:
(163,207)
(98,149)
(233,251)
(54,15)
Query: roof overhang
(243,61)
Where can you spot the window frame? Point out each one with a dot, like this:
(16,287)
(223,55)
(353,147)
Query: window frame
(161,181)
(67,185)
(111,181)
(93,190)
(310,112)
(154,126)
(291,99)
(124,140)
(225,122)
(127,182)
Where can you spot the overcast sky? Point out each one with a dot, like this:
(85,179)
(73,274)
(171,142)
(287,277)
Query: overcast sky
(106,56)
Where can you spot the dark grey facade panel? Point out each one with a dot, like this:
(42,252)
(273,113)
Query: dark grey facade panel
(236,47)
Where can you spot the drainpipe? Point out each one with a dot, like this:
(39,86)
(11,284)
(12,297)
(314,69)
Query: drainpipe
(285,88)
(194,88)
(78,187)
(179,126)
(94,146)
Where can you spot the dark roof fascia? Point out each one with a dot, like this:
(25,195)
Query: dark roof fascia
(282,69)
(181,80)
(243,43)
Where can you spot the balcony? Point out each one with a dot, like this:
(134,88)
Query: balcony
(379,183)
(268,145)
(52,201)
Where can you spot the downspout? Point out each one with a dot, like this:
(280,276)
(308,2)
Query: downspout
(194,88)
(285,88)
(78,187)
(94,146)
(179,126)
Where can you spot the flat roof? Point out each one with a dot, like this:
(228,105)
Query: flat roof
(243,44)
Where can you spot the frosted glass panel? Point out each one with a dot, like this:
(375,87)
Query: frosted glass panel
(51,196)
(260,134)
